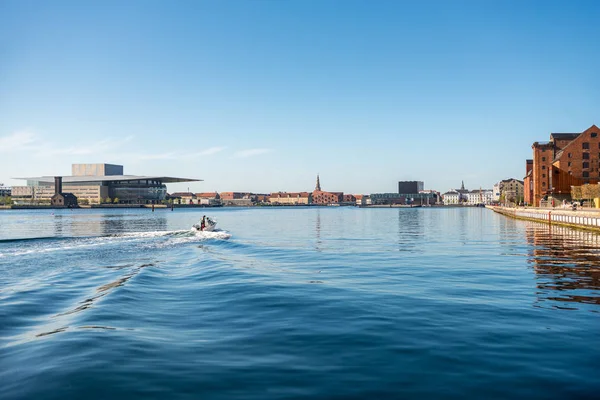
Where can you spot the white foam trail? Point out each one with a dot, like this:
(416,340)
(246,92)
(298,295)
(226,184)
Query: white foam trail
(177,237)
(149,234)
(212,234)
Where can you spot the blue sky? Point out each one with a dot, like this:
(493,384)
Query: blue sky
(263,95)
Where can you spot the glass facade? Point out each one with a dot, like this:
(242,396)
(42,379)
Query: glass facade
(396,198)
(138,194)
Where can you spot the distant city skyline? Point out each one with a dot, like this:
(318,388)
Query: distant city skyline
(262,96)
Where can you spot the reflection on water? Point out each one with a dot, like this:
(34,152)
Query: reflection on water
(566,262)
(318,242)
(410,229)
(89,302)
(78,224)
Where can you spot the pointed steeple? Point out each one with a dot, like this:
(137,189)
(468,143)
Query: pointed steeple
(318,187)
(462,186)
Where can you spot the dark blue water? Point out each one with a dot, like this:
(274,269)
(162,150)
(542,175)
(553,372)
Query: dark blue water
(332,303)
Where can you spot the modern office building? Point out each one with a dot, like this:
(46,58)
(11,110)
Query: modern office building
(97,183)
(5,191)
(408,187)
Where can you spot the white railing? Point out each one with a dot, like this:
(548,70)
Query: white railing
(555,216)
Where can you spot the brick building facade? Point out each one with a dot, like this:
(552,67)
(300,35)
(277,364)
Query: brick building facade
(568,159)
(528,183)
(321,197)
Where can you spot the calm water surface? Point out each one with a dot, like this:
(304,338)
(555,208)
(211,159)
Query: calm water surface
(332,303)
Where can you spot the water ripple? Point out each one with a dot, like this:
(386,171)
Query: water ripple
(296,303)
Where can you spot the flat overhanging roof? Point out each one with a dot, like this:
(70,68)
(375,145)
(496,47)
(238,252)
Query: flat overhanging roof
(104,178)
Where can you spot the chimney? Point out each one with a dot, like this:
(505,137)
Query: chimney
(57,184)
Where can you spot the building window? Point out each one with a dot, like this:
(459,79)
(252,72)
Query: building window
(543,167)
(586,164)
(594,134)
(543,175)
(569,164)
(586,156)
(569,155)
(544,184)
(543,158)
(585,145)
(586,174)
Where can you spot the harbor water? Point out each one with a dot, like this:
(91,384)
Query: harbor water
(296,303)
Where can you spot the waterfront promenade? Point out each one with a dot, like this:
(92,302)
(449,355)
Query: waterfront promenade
(581,218)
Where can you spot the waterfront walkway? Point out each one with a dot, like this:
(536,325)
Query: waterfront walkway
(587,218)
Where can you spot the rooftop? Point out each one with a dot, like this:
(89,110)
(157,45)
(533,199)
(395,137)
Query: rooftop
(564,136)
(103,178)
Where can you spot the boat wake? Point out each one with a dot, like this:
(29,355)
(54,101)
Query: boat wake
(153,239)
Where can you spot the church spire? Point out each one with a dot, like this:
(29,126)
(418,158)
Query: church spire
(318,187)
(462,186)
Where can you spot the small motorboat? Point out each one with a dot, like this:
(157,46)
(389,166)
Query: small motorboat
(208,227)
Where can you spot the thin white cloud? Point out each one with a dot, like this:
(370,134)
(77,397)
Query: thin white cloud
(210,151)
(158,156)
(250,153)
(112,147)
(98,147)
(16,141)
(36,146)
(171,155)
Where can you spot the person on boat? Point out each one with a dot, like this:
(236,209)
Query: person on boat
(203,223)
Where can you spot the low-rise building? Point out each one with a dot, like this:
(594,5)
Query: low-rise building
(481,196)
(208,198)
(225,196)
(322,197)
(349,198)
(456,196)
(237,199)
(291,198)
(361,199)
(262,198)
(387,198)
(184,198)
(511,190)
(451,197)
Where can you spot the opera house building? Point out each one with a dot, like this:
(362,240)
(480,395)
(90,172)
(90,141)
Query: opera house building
(96,183)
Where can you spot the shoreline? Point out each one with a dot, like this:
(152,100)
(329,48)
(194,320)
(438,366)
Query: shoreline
(184,206)
(579,219)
